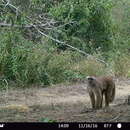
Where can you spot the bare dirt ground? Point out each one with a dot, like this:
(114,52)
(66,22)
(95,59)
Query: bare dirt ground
(62,103)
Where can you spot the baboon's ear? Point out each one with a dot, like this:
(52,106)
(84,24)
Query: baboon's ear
(90,77)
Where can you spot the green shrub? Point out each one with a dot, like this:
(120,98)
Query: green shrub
(57,66)
(21,60)
(26,63)
(92,26)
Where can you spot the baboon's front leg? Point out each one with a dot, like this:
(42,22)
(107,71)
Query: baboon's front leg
(99,98)
(92,98)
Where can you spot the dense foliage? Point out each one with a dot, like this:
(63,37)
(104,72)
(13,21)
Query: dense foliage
(97,27)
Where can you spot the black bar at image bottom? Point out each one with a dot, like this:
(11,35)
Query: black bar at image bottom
(65,125)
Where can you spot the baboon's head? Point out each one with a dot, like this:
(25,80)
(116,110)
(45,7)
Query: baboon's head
(91,80)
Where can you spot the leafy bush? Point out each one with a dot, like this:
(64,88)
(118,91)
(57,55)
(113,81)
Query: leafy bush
(91,24)
(25,63)
(57,66)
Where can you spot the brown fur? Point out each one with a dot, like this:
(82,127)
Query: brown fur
(99,86)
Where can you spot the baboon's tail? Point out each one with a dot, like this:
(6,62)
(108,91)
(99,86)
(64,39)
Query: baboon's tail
(112,95)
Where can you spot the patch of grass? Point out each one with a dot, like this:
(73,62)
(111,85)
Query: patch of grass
(18,108)
(121,65)
(90,67)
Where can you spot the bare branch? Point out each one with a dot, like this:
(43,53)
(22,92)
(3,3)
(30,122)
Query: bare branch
(22,26)
(115,118)
(74,48)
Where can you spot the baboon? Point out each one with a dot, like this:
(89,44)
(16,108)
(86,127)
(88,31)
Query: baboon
(99,86)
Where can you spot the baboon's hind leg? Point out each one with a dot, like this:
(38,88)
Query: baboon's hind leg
(106,99)
(101,100)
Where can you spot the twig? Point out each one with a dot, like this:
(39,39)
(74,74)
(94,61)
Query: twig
(21,26)
(115,118)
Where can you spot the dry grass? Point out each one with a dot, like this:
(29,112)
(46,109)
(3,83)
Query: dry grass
(61,103)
